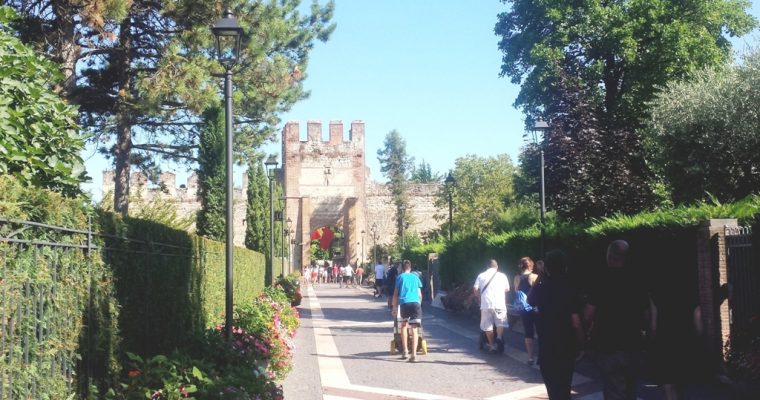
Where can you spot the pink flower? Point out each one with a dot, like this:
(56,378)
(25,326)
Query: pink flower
(133,373)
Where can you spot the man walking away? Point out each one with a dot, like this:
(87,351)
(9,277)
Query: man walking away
(348,275)
(492,287)
(379,277)
(408,294)
(617,312)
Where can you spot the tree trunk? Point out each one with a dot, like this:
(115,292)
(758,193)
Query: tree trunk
(66,50)
(123,149)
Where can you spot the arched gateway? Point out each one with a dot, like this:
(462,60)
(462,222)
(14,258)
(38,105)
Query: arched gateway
(325,184)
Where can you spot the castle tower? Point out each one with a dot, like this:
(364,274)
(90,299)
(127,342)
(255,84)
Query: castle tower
(324,185)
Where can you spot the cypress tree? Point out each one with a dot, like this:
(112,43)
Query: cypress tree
(257,218)
(211,176)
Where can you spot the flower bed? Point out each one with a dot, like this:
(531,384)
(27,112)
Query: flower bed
(248,366)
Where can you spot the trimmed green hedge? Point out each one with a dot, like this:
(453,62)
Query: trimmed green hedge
(45,292)
(662,242)
(148,295)
(171,284)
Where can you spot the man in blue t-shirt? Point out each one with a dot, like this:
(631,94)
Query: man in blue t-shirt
(408,297)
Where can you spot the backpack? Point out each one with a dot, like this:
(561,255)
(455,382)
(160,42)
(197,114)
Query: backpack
(521,305)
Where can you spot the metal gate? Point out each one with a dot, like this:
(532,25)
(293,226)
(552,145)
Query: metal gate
(743,277)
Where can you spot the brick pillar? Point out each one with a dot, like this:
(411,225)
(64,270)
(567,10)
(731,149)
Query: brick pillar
(711,260)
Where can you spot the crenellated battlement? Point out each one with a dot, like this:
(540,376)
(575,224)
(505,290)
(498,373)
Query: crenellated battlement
(166,187)
(292,133)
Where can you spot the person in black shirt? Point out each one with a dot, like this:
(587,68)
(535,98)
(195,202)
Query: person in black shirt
(617,315)
(390,281)
(559,323)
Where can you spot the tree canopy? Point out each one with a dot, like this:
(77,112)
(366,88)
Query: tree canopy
(39,138)
(590,69)
(704,133)
(483,189)
(622,49)
(424,174)
(142,71)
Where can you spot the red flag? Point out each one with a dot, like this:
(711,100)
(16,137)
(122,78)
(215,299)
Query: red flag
(317,234)
(327,237)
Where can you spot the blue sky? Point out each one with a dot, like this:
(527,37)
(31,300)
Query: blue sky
(428,68)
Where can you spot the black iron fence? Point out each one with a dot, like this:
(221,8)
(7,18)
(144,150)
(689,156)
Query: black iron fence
(46,304)
(743,277)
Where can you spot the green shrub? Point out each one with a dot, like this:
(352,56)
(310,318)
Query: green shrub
(63,300)
(291,285)
(213,367)
(170,283)
(659,239)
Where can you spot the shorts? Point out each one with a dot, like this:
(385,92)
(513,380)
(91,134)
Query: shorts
(491,317)
(314,276)
(529,323)
(346,279)
(412,313)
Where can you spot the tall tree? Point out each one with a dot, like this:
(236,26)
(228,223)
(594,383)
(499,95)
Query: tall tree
(624,50)
(610,59)
(144,71)
(396,165)
(212,182)
(704,134)
(483,190)
(424,174)
(39,138)
(257,214)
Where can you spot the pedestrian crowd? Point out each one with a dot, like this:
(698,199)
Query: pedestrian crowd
(610,319)
(623,323)
(318,272)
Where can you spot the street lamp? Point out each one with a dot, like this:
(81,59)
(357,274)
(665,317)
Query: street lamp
(449,189)
(363,232)
(373,229)
(228,32)
(271,164)
(286,232)
(541,127)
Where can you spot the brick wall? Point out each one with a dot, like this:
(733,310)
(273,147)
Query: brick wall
(712,273)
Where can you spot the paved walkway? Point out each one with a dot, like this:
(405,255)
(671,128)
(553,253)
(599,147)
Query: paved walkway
(343,352)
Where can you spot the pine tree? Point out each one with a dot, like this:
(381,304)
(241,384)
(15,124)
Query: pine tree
(142,71)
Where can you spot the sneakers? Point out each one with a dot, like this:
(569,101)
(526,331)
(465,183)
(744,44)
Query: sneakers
(413,358)
(499,345)
(531,361)
(404,356)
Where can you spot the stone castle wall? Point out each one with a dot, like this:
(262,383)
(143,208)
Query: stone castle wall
(326,184)
(379,204)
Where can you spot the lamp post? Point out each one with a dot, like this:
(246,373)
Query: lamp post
(363,232)
(373,229)
(449,189)
(286,232)
(291,249)
(541,127)
(271,164)
(227,33)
